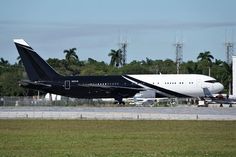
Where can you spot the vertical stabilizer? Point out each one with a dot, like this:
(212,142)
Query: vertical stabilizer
(37,69)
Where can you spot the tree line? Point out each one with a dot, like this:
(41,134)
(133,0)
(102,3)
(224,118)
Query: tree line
(206,64)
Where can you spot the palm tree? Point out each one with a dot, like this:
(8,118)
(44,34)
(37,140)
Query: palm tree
(219,62)
(227,76)
(3,61)
(206,57)
(116,57)
(71,61)
(71,55)
(19,61)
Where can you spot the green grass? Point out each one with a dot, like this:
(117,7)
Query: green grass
(117,138)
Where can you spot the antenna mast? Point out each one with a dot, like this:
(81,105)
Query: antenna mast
(229,48)
(123,47)
(179,55)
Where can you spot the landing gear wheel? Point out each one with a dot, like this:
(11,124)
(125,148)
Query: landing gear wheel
(122,103)
(119,101)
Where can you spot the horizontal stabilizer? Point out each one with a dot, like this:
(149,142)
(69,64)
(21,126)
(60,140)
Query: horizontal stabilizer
(26,83)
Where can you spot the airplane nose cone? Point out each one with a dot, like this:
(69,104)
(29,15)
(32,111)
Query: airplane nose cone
(219,87)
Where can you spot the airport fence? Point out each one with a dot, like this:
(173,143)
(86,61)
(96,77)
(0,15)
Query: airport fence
(41,101)
(66,101)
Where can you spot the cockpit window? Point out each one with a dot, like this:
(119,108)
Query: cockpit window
(211,81)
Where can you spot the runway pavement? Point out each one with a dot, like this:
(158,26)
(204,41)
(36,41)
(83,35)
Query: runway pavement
(119,113)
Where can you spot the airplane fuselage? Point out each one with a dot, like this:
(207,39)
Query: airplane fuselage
(182,85)
(43,77)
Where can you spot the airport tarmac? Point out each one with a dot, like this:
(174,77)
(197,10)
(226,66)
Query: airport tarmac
(119,113)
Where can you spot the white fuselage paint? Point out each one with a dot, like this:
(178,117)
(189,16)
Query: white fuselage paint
(186,84)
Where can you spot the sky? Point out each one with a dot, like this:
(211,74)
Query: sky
(94,27)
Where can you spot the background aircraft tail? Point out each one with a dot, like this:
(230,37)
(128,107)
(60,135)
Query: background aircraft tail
(207,93)
(37,69)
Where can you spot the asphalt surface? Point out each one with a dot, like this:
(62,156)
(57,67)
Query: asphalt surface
(144,113)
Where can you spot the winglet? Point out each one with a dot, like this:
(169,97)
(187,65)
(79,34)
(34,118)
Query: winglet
(21,41)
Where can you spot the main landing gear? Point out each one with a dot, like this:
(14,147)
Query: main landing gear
(119,100)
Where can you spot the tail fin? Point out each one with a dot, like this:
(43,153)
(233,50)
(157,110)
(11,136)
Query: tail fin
(37,69)
(207,93)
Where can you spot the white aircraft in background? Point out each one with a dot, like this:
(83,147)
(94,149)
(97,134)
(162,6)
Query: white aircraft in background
(219,99)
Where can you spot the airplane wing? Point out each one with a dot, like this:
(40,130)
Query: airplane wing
(113,87)
(119,90)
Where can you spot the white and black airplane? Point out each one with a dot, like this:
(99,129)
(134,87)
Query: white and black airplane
(43,77)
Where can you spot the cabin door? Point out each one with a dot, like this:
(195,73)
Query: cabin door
(67,85)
